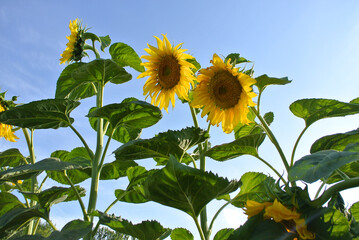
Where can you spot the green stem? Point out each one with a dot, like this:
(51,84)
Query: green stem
(273,169)
(319,189)
(51,224)
(95,175)
(342,174)
(272,138)
(296,145)
(199,228)
(83,141)
(86,217)
(350,183)
(35,227)
(105,149)
(43,182)
(216,215)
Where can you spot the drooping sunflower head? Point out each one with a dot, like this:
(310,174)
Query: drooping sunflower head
(6,131)
(169,73)
(224,93)
(75,47)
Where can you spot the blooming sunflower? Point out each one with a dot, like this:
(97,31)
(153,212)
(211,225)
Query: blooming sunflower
(169,73)
(74,50)
(6,130)
(291,219)
(225,94)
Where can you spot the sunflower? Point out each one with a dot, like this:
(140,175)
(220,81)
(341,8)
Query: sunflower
(169,73)
(74,50)
(289,218)
(225,94)
(6,130)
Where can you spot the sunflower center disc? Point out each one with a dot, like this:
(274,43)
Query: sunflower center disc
(225,89)
(169,72)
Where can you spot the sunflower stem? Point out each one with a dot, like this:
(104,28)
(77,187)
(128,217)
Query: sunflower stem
(296,145)
(270,135)
(273,169)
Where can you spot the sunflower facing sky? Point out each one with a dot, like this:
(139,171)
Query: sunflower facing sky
(6,130)
(224,93)
(169,73)
(74,49)
(290,219)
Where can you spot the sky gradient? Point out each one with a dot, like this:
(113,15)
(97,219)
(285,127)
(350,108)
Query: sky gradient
(313,43)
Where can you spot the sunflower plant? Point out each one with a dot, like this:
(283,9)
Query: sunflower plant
(226,93)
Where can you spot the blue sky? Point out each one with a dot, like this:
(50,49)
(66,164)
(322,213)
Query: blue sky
(314,43)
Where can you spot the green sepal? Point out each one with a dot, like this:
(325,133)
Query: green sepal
(43,114)
(124,55)
(191,188)
(314,109)
(146,230)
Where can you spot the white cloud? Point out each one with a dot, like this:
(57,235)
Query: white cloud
(234,217)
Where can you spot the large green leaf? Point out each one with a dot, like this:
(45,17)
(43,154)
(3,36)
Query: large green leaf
(47,164)
(8,202)
(73,230)
(181,234)
(245,145)
(43,114)
(354,211)
(11,158)
(242,130)
(320,164)
(160,146)
(336,141)
(71,88)
(116,169)
(124,55)
(130,113)
(54,195)
(16,217)
(76,156)
(339,225)
(185,188)
(256,187)
(146,230)
(314,109)
(236,59)
(263,81)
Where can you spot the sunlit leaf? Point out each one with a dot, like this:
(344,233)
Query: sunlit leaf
(181,234)
(223,234)
(43,114)
(354,210)
(256,187)
(11,158)
(314,109)
(197,65)
(124,55)
(263,81)
(146,230)
(245,145)
(236,59)
(185,188)
(105,42)
(320,164)
(160,146)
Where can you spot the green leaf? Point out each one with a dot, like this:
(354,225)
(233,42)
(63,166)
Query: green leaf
(336,141)
(245,145)
(263,81)
(116,169)
(354,210)
(223,234)
(134,114)
(181,234)
(8,202)
(43,114)
(197,65)
(71,88)
(88,35)
(47,164)
(242,130)
(146,230)
(319,165)
(314,109)
(16,217)
(105,42)
(76,156)
(54,195)
(339,225)
(124,55)
(11,158)
(236,59)
(255,186)
(185,188)
(160,146)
